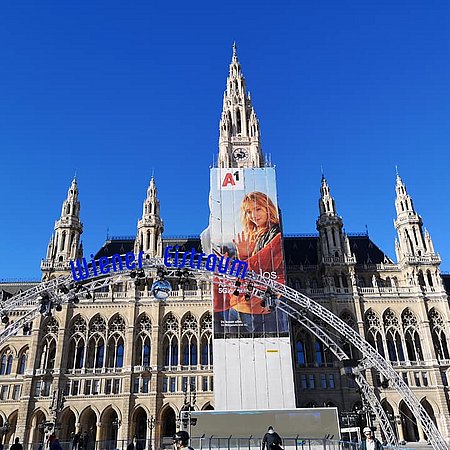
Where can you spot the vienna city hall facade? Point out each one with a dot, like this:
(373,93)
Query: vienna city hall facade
(118,363)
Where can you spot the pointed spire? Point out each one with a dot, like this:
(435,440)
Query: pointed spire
(334,244)
(239,139)
(150,226)
(326,201)
(64,243)
(414,242)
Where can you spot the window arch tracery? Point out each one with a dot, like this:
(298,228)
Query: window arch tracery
(374,331)
(143,347)
(393,339)
(438,334)
(411,333)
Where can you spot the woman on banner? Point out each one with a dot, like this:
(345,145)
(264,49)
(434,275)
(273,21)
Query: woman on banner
(259,244)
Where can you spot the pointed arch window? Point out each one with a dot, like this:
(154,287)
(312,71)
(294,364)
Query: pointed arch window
(411,333)
(438,334)
(48,354)
(9,364)
(300,353)
(429,278)
(3,365)
(95,352)
(22,364)
(206,350)
(115,351)
(100,353)
(63,240)
(238,122)
(146,354)
(119,356)
(170,351)
(320,355)
(79,355)
(189,350)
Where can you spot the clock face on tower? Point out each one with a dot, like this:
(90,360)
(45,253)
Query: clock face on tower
(240,154)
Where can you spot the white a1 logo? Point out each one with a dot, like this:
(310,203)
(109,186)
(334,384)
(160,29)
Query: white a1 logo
(231,179)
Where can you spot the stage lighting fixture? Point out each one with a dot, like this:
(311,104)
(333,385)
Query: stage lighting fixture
(58,307)
(88,295)
(133,274)
(5,318)
(64,289)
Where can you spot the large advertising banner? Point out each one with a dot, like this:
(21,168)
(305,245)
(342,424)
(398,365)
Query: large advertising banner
(245,226)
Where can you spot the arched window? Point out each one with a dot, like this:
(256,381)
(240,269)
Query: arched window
(143,347)
(171,329)
(95,352)
(373,326)
(411,333)
(146,354)
(3,365)
(171,351)
(189,351)
(320,355)
(100,354)
(119,356)
(22,364)
(429,278)
(206,350)
(438,335)
(115,351)
(421,278)
(393,339)
(79,355)
(9,365)
(300,353)
(238,122)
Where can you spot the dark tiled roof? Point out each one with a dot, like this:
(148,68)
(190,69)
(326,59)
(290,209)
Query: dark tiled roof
(8,289)
(366,251)
(113,246)
(446,280)
(298,249)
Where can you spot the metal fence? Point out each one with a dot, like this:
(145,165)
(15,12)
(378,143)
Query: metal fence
(211,443)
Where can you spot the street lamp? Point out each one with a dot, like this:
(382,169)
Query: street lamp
(151,426)
(190,398)
(116,424)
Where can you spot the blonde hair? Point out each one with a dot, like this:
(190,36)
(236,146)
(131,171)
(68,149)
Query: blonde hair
(251,201)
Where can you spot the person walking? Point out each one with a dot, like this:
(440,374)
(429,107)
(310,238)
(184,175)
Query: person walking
(134,444)
(272,440)
(371,442)
(75,440)
(181,441)
(17,445)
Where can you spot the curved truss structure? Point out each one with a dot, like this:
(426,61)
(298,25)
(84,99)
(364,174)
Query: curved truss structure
(63,289)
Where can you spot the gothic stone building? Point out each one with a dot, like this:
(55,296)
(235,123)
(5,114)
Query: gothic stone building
(125,361)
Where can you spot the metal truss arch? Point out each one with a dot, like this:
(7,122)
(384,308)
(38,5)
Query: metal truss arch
(60,289)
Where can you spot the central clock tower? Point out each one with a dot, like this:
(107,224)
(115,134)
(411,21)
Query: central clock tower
(239,141)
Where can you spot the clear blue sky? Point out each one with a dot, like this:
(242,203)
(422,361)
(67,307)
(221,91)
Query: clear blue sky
(116,90)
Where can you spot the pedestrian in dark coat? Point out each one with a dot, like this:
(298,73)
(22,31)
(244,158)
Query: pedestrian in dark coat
(272,440)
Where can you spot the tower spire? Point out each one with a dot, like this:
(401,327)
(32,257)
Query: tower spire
(414,243)
(65,244)
(239,139)
(333,242)
(150,226)
(234,51)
